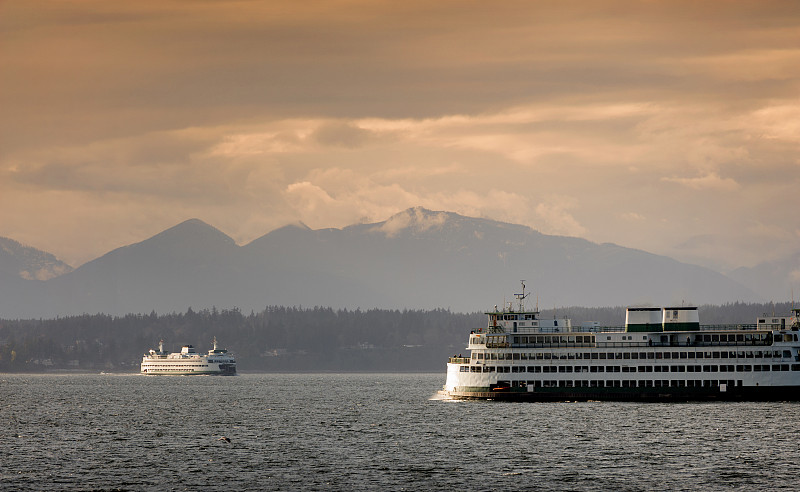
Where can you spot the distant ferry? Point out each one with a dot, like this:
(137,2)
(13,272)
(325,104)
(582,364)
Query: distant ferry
(661,354)
(188,361)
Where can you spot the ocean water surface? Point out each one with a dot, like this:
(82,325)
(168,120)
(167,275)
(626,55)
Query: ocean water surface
(373,431)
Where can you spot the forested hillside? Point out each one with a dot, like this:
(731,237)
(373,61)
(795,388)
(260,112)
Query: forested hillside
(283,338)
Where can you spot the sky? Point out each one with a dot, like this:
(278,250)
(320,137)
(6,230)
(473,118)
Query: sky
(668,126)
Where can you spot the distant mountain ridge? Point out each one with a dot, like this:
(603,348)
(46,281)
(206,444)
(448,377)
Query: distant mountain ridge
(773,278)
(28,263)
(417,259)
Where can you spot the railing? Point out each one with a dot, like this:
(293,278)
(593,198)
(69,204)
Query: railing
(729,327)
(458,360)
(750,343)
(676,343)
(532,330)
(754,343)
(555,345)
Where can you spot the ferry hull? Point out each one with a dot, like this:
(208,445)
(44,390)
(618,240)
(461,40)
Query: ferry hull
(188,373)
(785,393)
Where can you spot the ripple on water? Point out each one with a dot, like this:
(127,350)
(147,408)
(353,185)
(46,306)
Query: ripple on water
(359,431)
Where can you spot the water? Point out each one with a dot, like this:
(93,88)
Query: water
(371,431)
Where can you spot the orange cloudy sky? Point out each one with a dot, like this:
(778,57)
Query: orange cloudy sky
(668,126)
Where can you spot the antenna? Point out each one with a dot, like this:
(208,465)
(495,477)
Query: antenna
(521,297)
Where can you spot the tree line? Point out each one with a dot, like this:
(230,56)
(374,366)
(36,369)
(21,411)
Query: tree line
(277,338)
(283,338)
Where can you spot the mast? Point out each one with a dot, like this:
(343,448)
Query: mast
(521,297)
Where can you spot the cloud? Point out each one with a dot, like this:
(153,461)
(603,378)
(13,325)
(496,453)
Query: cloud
(121,119)
(309,197)
(255,144)
(340,197)
(554,218)
(708,182)
(340,134)
(633,217)
(779,121)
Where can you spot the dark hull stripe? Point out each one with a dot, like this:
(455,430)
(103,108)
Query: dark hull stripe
(738,393)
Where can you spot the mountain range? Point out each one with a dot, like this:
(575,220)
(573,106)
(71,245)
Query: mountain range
(417,259)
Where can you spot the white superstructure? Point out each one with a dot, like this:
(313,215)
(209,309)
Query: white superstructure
(662,353)
(186,362)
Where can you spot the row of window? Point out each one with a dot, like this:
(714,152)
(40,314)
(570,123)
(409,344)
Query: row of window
(551,339)
(173,366)
(749,337)
(738,338)
(168,369)
(726,354)
(597,369)
(656,383)
(515,317)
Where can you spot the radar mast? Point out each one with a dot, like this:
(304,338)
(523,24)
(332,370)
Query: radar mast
(521,297)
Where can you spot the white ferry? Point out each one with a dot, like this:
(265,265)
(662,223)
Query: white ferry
(188,361)
(661,354)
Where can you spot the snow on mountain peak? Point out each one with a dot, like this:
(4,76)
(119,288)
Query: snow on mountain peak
(415,219)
